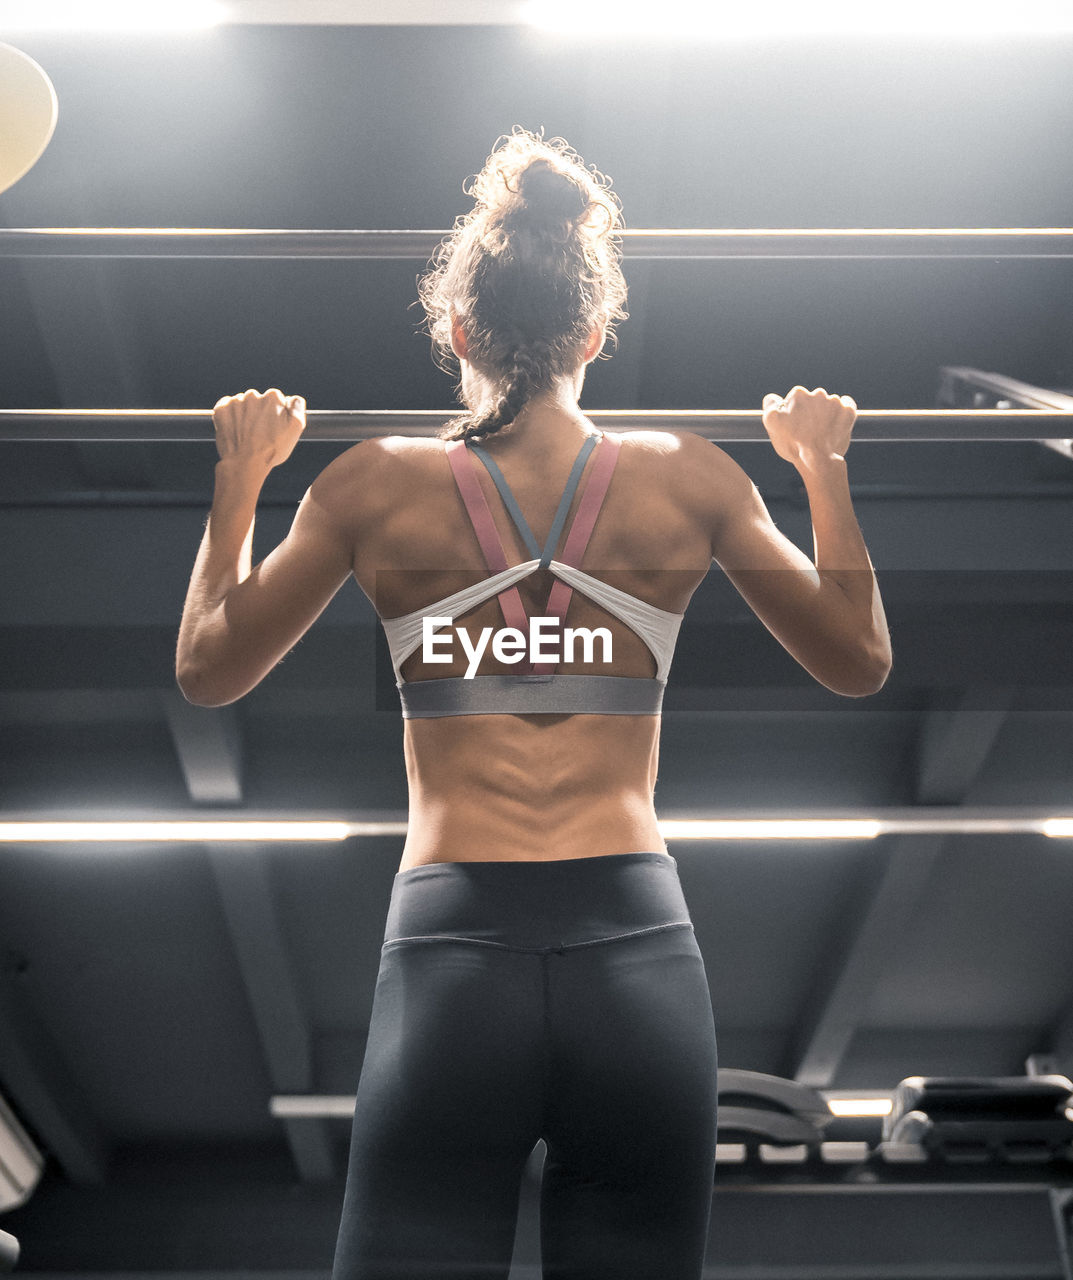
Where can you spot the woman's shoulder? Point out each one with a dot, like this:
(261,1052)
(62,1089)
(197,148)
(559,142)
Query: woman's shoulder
(680,471)
(382,458)
(377,474)
(681,457)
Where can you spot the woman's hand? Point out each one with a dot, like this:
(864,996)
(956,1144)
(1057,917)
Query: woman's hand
(262,427)
(809,426)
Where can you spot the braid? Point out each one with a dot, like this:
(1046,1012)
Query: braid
(526,375)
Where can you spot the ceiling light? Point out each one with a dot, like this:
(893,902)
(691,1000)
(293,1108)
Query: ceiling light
(333,1106)
(851,1106)
(294,825)
(699,19)
(149,832)
(776,829)
(110,15)
(307,1106)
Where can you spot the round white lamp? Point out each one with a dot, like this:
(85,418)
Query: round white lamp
(28,112)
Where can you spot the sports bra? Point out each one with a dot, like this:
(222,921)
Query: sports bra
(537,689)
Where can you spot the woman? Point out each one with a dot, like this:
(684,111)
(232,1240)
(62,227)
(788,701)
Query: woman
(539,977)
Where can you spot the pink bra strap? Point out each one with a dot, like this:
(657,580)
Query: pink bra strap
(592,497)
(465,474)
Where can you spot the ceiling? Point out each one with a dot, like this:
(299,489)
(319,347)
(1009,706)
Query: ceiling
(154,998)
(439,13)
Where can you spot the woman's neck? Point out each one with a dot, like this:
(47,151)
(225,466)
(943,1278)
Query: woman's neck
(550,417)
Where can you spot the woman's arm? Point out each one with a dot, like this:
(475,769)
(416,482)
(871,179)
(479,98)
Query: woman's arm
(826,612)
(238,622)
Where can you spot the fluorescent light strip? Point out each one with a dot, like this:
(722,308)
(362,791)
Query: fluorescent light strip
(26,828)
(311,1106)
(773,233)
(151,832)
(860,1107)
(110,15)
(862,828)
(777,829)
(307,1106)
(699,19)
(850,231)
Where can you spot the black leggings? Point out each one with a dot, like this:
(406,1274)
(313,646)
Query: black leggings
(522,1000)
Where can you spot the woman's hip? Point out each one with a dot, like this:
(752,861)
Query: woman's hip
(537,905)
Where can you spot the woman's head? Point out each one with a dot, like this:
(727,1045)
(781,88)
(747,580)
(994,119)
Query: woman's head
(527,278)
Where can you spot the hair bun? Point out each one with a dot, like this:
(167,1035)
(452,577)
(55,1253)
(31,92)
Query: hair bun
(548,195)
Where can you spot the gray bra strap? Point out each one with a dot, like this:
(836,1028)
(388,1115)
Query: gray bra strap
(515,512)
(536,695)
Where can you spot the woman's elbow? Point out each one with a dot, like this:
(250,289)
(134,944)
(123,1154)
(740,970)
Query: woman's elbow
(864,688)
(199,688)
(865,675)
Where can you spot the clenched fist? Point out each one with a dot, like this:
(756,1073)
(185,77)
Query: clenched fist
(808,425)
(263,426)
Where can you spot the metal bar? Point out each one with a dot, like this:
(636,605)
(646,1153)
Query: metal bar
(970,388)
(727,425)
(162,499)
(860,243)
(963,388)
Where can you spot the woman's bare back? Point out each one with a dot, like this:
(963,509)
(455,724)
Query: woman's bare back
(486,787)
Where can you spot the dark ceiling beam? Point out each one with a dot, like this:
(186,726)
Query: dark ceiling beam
(824,1038)
(43,1091)
(78,706)
(82,325)
(85,336)
(46,658)
(282,1024)
(955,744)
(952,753)
(209,748)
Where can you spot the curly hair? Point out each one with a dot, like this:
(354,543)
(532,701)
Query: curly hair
(530,272)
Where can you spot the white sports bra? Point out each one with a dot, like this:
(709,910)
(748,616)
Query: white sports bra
(538,689)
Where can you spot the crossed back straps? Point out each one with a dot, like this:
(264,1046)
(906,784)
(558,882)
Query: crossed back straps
(460,456)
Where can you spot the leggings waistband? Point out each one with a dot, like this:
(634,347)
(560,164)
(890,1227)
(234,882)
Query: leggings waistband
(537,905)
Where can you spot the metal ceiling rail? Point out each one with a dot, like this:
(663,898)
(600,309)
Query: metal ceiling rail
(962,387)
(714,243)
(84,426)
